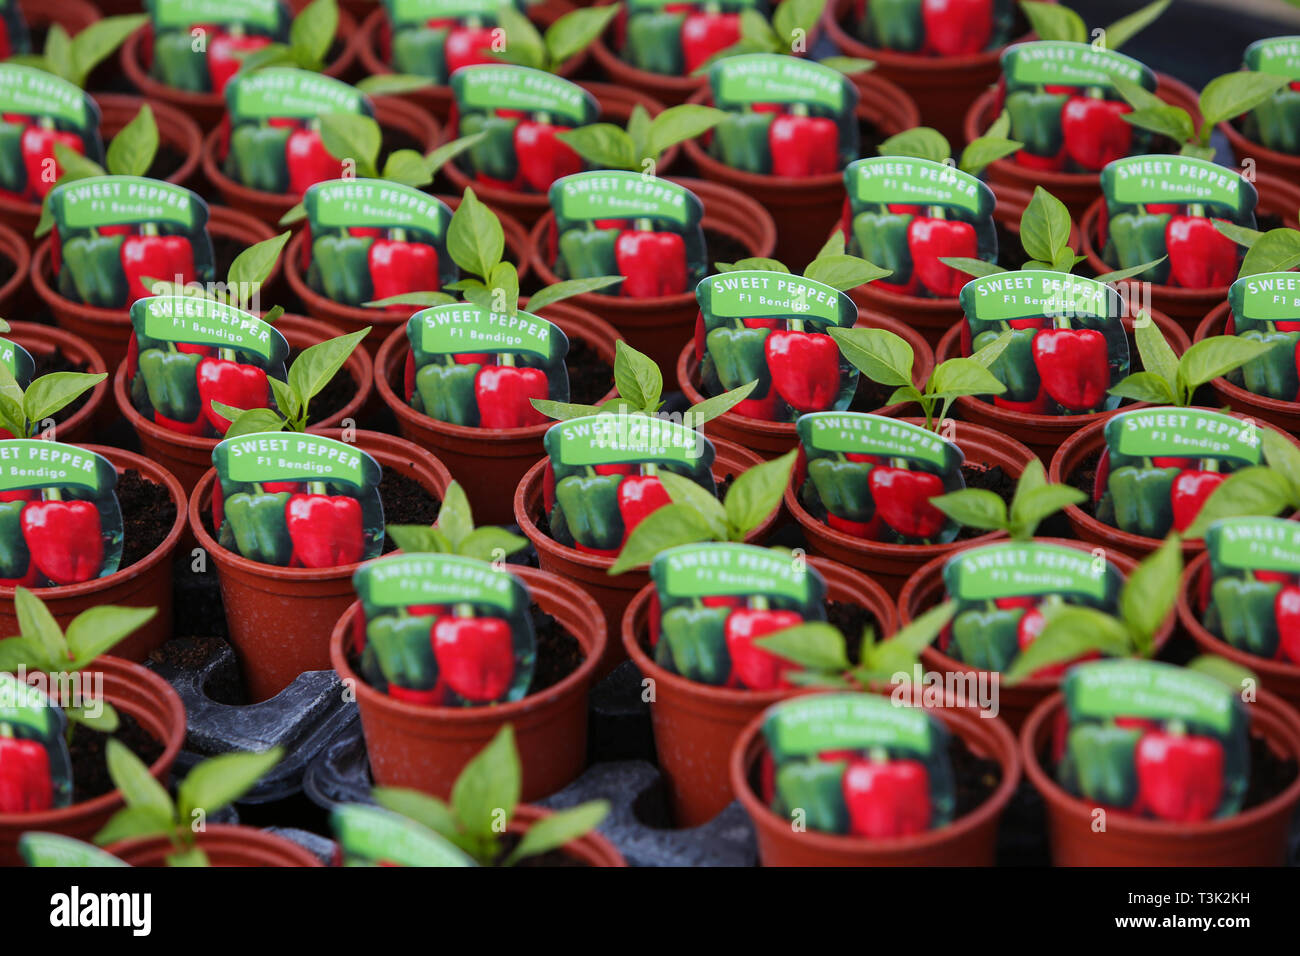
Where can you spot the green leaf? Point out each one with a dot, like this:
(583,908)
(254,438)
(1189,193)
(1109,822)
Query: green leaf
(106,720)
(393,84)
(352,136)
(21,650)
(1238,234)
(1258,490)
(921,142)
(963,376)
(882,356)
(219,781)
(426,810)
(139,789)
(795,20)
(549,295)
(637,378)
(253,266)
(844,272)
(972,267)
(524,45)
(706,411)
(638,127)
(73,165)
(1136,95)
(408,167)
(97,41)
(490,543)
(96,629)
(987,355)
(38,625)
(475,240)
(974,508)
(312,32)
(192,856)
(1028,512)
(1145,387)
(58,54)
(55,849)
(563,411)
(663,528)
(133,149)
(317,365)
(815,645)
(1127,27)
(757,492)
(834,246)
(1283,456)
(419,539)
(131,822)
(1157,354)
(1071,632)
(683,491)
(437,158)
(1119,275)
(253,421)
(756,263)
(487,790)
(422,299)
(504,283)
(1054,22)
(680,123)
(1224,671)
(296,213)
(1232,94)
(575,31)
(49,393)
(1278,250)
(554,831)
(1152,588)
(1045,225)
(848,65)
(1210,358)
(981,152)
(603,145)
(455,519)
(920,633)
(1206,153)
(1166,120)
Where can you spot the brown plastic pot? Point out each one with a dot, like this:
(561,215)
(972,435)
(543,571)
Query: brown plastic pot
(1285,415)
(695,725)
(925,589)
(891,565)
(1187,306)
(612,593)
(488,462)
(425,747)
(1254,837)
(1280,677)
(351,318)
(373,49)
(391,112)
(47,340)
(208,109)
(970,840)
(805,209)
(1076,190)
(1043,434)
(943,88)
(616,106)
(280,619)
(15,294)
(1076,449)
(774,439)
(932,317)
(130,689)
(225,845)
(109,330)
(656,326)
(146,583)
(1283,166)
(189,457)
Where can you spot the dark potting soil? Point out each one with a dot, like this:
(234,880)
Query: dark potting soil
(191,653)
(869,396)
(329,400)
(558,652)
(1083,478)
(1011,254)
(869,139)
(90,777)
(724,248)
(405,501)
(550,858)
(975,777)
(1269,773)
(148,513)
(992,479)
(1268,220)
(6,269)
(392,140)
(590,376)
(165,162)
(47,363)
(224,250)
(851,620)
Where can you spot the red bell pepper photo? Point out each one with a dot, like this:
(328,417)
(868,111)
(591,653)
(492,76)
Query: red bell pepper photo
(1286,611)
(1074,366)
(805,367)
(1179,775)
(326,530)
(227,50)
(469,45)
(503,394)
(887,798)
(1095,132)
(398,266)
(754,667)
(931,237)
(542,157)
(1200,257)
(638,497)
(153,256)
(1190,491)
(871,530)
(803,145)
(421,698)
(42,167)
(707,33)
(64,538)
(476,656)
(25,784)
(226,381)
(308,160)
(653,263)
(956,27)
(902,499)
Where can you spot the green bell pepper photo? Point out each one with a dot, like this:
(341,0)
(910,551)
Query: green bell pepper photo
(258,523)
(1036,121)
(1276,121)
(739,358)
(1099,763)
(1142,499)
(171,381)
(894,25)
(881,238)
(988,639)
(1245,610)
(15,559)
(493,155)
(843,487)
(654,42)
(341,264)
(446,392)
(1014,367)
(257,157)
(13,175)
(698,640)
(1139,237)
(590,504)
(404,650)
(817,789)
(421,51)
(741,141)
(1273,374)
(177,64)
(586,253)
(95,265)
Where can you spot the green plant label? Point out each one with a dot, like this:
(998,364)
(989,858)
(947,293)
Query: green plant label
(19,361)
(1196,433)
(284,93)
(1251,597)
(27,91)
(300,500)
(1185,181)
(376,203)
(55,849)
(740,81)
(1033,293)
(627,439)
(1255,544)
(372,836)
(860,433)
(644,6)
(618,194)
(486,88)
(1063,63)
(200,321)
(1012,569)
(830,750)
(30,719)
(1268,297)
(754,293)
(709,570)
(61,523)
(457,630)
(878,182)
(269,17)
(1279,56)
(404,12)
(477,368)
(1130,719)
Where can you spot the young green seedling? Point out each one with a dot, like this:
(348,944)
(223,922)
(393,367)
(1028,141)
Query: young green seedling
(1054,21)
(1268,489)
(247,274)
(787,32)
(832,266)
(454,533)
(23,413)
(311,35)
(924,142)
(1277,250)
(1034,500)
(74,58)
(565,38)
(640,147)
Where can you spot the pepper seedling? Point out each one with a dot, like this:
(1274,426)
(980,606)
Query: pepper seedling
(1054,21)
(472,827)
(787,32)
(887,359)
(74,58)
(454,533)
(1034,500)
(247,274)
(22,412)
(151,812)
(1266,490)
(924,142)
(695,516)
(43,647)
(640,146)
(311,371)
(832,265)
(1277,250)
(311,34)
(564,39)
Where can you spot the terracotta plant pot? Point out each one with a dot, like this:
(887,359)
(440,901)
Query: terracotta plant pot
(616,106)
(488,463)
(970,840)
(15,293)
(804,210)
(1254,837)
(146,583)
(612,593)
(372,49)
(350,318)
(943,88)
(696,725)
(224,844)
(1285,415)
(411,745)
(42,340)
(391,112)
(1187,306)
(1279,677)
(280,618)
(657,326)
(1074,451)
(109,330)
(1076,190)
(1043,434)
(890,565)
(208,109)
(133,690)
(1283,166)
(189,457)
(933,317)
(73,15)
(925,589)
(774,439)
(590,849)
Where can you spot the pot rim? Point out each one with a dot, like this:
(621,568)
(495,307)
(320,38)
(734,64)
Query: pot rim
(1232,393)
(912,62)
(60,337)
(232,835)
(1241,143)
